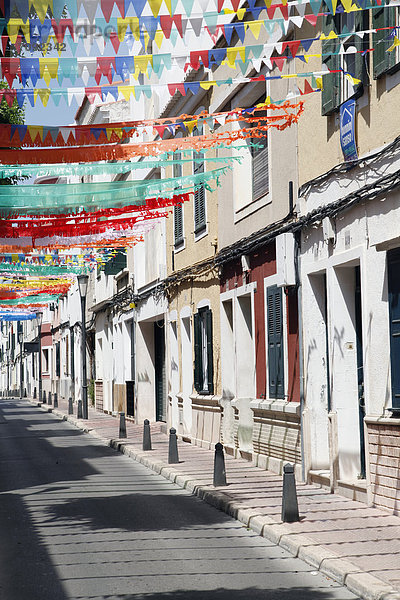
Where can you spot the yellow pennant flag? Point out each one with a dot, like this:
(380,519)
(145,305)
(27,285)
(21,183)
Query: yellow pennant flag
(242,52)
(155,6)
(44,95)
(255,28)
(35,130)
(352,79)
(126,91)
(207,84)
(394,45)
(190,125)
(231,56)
(331,36)
(159,37)
(41,7)
(241,13)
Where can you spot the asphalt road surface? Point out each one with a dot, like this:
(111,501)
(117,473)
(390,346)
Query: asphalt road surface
(80,521)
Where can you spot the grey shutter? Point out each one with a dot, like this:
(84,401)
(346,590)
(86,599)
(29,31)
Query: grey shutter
(210,363)
(197,352)
(199,194)
(332,81)
(382,40)
(275,342)
(178,224)
(260,171)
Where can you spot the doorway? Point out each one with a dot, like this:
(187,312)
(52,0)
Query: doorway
(159,371)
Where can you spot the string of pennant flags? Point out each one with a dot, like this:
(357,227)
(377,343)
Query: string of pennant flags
(24,68)
(40,230)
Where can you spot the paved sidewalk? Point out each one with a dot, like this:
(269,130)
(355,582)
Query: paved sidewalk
(346,540)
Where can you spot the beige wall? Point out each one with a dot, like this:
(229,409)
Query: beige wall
(377,120)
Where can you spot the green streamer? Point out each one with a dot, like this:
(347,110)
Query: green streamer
(40,270)
(119,168)
(30,300)
(64,198)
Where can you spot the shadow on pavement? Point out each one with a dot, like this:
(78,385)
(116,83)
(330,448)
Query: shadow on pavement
(138,512)
(253,593)
(26,572)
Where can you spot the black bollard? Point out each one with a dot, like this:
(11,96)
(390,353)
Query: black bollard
(290,508)
(146,435)
(79,414)
(70,406)
(122,425)
(219,466)
(173,447)
(25,393)
(55,400)
(49,398)
(44,397)
(34,393)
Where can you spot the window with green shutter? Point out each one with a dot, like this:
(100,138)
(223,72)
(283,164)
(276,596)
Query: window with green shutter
(338,56)
(203,352)
(199,195)
(275,342)
(116,263)
(383,60)
(178,209)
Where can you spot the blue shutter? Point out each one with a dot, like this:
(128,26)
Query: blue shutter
(275,342)
(394,318)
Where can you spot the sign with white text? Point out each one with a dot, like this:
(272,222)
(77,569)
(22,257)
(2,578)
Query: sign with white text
(347,130)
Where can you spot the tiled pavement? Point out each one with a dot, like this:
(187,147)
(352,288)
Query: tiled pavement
(347,540)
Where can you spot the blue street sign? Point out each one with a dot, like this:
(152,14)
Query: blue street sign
(347,130)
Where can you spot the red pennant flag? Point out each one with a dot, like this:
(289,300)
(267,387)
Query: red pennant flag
(115,41)
(166,25)
(293,47)
(235,4)
(312,19)
(307,88)
(177,19)
(176,87)
(220,5)
(285,11)
(279,61)
(106,8)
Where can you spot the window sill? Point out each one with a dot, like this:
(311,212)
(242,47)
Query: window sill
(179,247)
(200,233)
(252,207)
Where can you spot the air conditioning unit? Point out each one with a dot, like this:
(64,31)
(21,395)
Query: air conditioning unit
(285,260)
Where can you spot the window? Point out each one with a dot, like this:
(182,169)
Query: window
(260,163)
(343,54)
(393,265)
(45,360)
(178,209)
(275,342)
(200,222)
(116,264)
(203,352)
(58,369)
(385,61)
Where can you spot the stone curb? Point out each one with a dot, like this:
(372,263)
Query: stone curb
(361,583)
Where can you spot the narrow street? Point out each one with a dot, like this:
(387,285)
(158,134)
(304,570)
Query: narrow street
(79,520)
